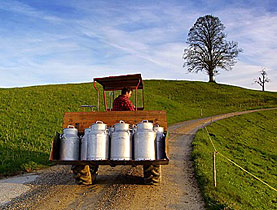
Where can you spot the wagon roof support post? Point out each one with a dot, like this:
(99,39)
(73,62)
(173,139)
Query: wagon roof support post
(105,102)
(142,96)
(136,103)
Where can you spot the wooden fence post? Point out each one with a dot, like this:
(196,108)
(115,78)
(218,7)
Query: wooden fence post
(214,170)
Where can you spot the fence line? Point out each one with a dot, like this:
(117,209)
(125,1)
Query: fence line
(217,152)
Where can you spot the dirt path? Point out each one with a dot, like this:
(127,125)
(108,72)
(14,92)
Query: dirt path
(122,187)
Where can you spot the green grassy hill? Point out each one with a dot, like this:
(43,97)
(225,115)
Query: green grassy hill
(250,140)
(30,116)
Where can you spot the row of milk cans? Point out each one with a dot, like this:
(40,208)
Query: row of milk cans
(119,142)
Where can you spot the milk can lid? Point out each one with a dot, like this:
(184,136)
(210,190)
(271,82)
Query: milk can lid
(157,128)
(70,127)
(98,125)
(121,125)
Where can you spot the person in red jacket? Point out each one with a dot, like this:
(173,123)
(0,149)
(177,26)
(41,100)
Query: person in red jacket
(122,102)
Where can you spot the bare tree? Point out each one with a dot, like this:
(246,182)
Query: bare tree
(262,79)
(208,50)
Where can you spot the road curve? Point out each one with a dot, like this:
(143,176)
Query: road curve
(122,187)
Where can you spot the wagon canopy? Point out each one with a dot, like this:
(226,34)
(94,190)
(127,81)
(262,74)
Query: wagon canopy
(133,81)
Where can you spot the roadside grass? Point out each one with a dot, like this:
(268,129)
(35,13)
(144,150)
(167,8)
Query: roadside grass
(250,140)
(30,116)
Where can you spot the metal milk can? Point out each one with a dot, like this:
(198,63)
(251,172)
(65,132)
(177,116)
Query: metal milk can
(144,141)
(69,148)
(121,142)
(98,142)
(160,142)
(84,144)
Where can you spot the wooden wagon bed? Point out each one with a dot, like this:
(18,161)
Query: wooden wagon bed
(82,120)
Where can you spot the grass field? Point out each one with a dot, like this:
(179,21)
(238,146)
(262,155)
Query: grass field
(30,116)
(249,140)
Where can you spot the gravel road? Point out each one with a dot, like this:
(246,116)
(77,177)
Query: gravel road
(122,187)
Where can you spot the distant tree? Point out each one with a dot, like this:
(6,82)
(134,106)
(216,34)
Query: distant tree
(262,79)
(208,50)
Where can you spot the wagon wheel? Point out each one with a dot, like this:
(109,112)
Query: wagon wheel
(152,174)
(84,174)
(94,172)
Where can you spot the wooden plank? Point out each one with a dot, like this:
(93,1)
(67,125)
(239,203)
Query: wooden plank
(82,120)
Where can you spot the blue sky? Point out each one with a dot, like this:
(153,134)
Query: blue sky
(73,41)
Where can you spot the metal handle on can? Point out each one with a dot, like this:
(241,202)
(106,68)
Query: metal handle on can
(144,121)
(70,126)
(121,121)
(99,122)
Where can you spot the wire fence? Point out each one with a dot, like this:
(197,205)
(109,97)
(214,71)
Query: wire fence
(234,163)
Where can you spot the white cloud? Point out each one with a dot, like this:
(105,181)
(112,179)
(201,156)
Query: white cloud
(25,9)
